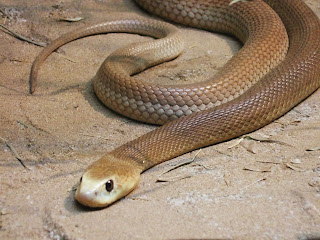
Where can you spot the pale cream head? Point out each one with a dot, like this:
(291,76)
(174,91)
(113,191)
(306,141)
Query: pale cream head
(106,181)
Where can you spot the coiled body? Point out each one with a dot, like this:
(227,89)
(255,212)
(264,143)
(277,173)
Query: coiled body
(260,30)
(257,86)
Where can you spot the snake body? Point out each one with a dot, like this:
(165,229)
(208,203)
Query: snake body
(257,86)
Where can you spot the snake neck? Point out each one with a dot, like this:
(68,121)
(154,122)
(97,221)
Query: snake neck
(136,156)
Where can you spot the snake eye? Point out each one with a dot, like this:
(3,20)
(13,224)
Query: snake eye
(109,185)
(80,179)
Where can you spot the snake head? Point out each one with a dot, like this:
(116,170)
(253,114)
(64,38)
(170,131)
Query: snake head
(106,181)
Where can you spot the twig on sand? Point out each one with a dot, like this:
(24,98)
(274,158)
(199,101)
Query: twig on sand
(255,182)
(313,149)
(266,140)
(177,166)
(15,153)
(4,13)
(20,37)
(40,44)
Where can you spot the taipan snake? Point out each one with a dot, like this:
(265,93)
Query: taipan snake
(263,81)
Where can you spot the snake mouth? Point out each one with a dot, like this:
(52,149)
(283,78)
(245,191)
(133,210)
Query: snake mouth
(91,193)
(89,199)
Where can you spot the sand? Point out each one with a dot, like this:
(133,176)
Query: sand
(240,189)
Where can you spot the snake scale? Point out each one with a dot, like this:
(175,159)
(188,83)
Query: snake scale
(277,68)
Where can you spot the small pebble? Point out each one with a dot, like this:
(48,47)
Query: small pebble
(4,211)
(296,161)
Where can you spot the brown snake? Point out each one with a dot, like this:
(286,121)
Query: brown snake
(258,85)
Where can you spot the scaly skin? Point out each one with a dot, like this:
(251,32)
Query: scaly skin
(266,44)
(253,87)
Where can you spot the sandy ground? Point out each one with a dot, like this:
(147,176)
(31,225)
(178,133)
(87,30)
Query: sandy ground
(241,189)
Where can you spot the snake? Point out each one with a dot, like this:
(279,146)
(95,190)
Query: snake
(277,68)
